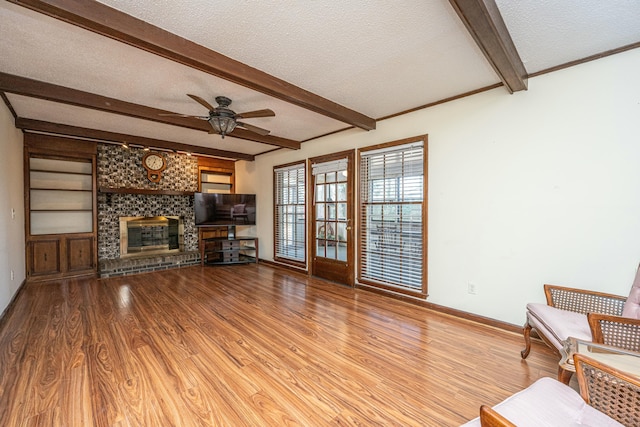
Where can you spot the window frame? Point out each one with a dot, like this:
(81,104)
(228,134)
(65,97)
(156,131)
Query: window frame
(366,277)
(301,168)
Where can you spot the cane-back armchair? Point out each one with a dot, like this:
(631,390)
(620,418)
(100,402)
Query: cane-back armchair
(586,315)
(611,398)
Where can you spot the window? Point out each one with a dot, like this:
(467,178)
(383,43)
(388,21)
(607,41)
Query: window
(290,215)
(392,220)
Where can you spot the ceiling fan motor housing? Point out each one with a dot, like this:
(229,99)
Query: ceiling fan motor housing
(223,101)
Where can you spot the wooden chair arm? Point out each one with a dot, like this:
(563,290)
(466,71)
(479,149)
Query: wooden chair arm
(490,418)
(610,391)
(583,301)
(616,331)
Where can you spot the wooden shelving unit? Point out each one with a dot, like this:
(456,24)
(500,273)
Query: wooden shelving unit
(61,221)
(216,181)
(218,247)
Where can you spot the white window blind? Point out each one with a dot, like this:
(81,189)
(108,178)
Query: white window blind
(331,166)
(392,194)
(290,215)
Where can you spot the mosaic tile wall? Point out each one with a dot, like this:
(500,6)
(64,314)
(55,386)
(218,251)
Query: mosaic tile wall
(119,168)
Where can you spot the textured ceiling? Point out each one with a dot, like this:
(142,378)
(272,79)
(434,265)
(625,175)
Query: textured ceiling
(355,53)
(363,55)
(548,33)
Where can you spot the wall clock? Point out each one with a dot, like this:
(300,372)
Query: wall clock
(154,163)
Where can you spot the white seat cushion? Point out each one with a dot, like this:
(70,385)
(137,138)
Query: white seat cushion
(559,324)
(548,402)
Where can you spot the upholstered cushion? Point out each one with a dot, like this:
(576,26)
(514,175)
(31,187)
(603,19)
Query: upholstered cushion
(631,307)
(240,208)
(543,330)
(559,324)
(548,402)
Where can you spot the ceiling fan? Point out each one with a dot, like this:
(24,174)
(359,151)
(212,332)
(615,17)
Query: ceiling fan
(223,120)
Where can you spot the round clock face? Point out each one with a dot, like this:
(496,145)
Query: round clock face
(154,162)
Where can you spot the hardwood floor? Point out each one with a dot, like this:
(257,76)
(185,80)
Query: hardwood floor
(246,346)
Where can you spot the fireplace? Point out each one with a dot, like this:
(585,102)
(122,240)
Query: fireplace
(143,236)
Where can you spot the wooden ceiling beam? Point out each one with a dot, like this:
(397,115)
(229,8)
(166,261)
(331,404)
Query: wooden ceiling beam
(109,22)
(37,89)
(485,24)
(80,132)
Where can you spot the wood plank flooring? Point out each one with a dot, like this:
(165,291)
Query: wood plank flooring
(246,346)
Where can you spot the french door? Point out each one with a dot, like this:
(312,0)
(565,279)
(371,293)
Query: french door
(331,221)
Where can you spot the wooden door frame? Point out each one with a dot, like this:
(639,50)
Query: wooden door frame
(351,232)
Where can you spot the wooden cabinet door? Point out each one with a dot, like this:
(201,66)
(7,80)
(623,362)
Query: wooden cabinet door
(79,254)
(44,257)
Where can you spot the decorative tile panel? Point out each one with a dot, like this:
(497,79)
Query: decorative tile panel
(113,206)
(122,168)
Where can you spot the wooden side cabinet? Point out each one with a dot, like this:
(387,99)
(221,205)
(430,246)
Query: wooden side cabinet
(55,256)
(44,257)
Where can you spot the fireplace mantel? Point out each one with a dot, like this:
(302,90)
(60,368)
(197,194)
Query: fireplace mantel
(126,190)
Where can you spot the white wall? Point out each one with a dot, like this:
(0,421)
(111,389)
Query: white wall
(542,186)
(12,249)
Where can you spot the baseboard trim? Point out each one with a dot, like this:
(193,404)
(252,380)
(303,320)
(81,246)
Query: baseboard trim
(283,265)
(7,311)
(488,321)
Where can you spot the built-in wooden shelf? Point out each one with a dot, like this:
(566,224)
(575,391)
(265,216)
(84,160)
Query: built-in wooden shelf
(109,190)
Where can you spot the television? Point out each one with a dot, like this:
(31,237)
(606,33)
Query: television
(224,209)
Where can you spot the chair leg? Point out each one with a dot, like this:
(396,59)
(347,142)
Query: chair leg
(526,332)
(564,375)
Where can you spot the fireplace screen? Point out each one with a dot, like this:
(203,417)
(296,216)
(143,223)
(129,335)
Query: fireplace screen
(150,235)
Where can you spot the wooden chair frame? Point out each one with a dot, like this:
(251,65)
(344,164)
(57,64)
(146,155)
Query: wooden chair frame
(615,331)
(489,417)
(589,303)
(606,389)
(609,390)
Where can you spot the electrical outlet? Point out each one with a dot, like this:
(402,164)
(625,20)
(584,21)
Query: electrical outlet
(13,213)
(12,275)
(471,288)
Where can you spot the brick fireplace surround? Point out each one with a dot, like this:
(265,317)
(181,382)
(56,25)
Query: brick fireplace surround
(120,168)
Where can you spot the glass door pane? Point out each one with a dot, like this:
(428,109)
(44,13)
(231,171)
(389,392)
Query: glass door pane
(331,215)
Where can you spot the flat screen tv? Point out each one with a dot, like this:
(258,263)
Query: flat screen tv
(224,209)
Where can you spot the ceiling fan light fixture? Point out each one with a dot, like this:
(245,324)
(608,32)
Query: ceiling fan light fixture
(222,125)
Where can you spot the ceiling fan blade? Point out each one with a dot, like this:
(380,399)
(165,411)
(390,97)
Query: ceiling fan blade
(201,101)
(258,113)
(253,128)
(183,115)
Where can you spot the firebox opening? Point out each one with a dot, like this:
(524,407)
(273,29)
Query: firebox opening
(142,236)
